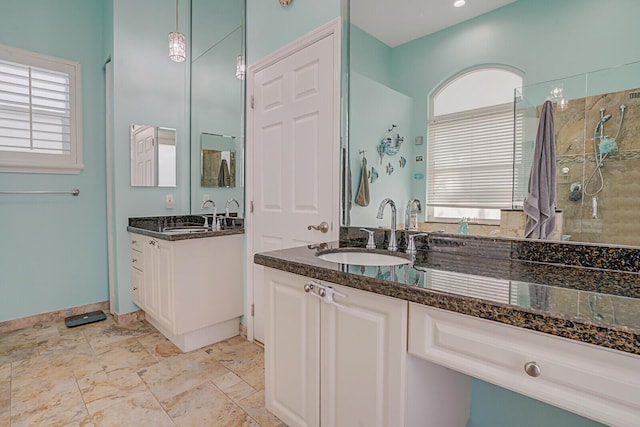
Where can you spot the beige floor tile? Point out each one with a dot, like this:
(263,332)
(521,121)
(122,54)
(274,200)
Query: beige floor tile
(103,335)
(159,346)
(139,410)
(18,345)
(103,374)
(254,405)
(5,372)
(5,402)
(206,405)
(178,374)
(48,402)
(47,366)
(126,355)
(70,344)
(239,391)
(107,389)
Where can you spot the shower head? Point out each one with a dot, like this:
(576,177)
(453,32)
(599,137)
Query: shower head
(605,118)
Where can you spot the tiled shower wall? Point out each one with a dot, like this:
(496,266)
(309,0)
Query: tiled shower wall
(618,219)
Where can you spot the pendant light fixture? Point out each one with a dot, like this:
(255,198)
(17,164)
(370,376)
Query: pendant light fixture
(177,43)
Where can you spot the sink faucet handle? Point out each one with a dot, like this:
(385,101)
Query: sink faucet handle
(411,246)
(371,243)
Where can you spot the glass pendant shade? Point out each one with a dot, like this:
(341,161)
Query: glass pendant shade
(177,47)
(240,67)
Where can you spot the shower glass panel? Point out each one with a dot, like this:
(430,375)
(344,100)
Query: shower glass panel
(597,128)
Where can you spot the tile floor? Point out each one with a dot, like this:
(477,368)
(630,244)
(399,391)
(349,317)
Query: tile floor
(103,374)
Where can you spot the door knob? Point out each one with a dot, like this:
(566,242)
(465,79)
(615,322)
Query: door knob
(323,227)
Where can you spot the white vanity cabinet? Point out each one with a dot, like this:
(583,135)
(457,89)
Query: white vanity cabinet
(190,290)
(592,381)
(333,364)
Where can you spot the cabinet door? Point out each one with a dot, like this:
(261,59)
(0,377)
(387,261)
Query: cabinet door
(292,349)
(149,297)
(165,309)
(137,285)
(363,360)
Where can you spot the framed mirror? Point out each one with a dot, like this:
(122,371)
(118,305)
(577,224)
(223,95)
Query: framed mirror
(396,69)
(217,103)
(153,156)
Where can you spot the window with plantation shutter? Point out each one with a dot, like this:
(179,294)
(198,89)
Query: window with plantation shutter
(39,113)
(470,157)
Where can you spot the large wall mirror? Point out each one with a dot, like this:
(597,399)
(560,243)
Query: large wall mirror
(217,104)
(402,54)
(153,156)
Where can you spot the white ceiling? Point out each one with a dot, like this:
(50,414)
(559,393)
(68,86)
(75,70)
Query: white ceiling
(395,22)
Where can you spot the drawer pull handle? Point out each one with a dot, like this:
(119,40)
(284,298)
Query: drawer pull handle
(134,260)
(532,369)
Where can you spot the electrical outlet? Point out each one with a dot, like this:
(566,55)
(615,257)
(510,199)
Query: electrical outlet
(168,201)
(205,197)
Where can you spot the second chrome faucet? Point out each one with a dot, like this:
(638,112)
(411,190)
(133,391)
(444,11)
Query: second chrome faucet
(393,244)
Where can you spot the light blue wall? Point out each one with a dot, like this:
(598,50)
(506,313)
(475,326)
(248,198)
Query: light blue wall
(492,406)
(374,108)
(271,26)
(149,88)
(216,92)
(53,250)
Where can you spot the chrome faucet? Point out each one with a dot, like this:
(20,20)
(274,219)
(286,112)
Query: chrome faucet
(393,245)
(226,207)
(204,205)
(407,212)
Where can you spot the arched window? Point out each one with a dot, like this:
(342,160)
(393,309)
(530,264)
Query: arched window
(471,145)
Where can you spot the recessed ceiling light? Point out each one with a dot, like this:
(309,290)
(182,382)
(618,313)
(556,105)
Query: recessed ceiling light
(459,3)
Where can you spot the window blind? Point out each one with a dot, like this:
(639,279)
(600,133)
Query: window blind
(471,158)
(497,290)
(35,111)
(40,113)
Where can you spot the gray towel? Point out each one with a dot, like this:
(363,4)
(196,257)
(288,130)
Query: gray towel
(224,178)
(540,203)
(363,196)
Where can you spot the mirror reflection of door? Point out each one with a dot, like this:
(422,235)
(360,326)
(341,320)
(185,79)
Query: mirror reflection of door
(143,156)
(153,156)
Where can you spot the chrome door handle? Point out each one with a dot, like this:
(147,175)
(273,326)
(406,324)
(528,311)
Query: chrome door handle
(323,227)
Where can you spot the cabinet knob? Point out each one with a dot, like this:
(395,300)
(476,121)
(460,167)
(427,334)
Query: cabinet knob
(532,369)
(308,287)
(322,292)
(134,242)
(135,289)
(134,260)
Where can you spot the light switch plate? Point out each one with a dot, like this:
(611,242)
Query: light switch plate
(168,201)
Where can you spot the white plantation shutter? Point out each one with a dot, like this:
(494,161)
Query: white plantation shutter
(471,160)
(498,290)
(39,113)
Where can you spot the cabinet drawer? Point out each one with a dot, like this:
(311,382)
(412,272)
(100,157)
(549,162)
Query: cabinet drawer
(136,242)
(592,381)
(137,260)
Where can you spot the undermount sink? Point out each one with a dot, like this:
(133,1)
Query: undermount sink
(186,229)
(363,257)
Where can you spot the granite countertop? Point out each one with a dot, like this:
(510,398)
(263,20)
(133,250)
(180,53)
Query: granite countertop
(155,226)
(600,307)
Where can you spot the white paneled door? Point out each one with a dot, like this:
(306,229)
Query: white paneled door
(293,141)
